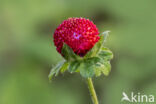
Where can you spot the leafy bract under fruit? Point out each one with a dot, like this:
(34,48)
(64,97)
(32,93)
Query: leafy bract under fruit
(95,62)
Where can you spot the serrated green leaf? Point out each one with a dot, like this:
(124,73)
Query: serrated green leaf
(98,45)
(68,53)
(103,38)
(107,68)
(105,54)
(98,71)
(87,69)
(105,35)
(103,67)
(93,51)
(74,66)
(55,70)
(64,67)
(92,60)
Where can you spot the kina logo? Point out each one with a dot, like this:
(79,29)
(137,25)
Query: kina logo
(141,98)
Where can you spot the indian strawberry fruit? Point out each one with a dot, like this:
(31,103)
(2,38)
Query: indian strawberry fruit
(79,34)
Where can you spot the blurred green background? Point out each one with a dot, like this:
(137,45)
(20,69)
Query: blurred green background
(27,52)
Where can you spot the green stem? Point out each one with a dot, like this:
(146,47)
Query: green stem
(92,91)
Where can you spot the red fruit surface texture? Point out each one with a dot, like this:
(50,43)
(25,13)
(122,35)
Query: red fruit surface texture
(79,34)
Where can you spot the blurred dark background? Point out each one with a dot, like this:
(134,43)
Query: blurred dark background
(27,52)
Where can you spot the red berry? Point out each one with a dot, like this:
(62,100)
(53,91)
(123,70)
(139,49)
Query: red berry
(80,34)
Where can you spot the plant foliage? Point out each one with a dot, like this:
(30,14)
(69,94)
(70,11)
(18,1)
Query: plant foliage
(95,62)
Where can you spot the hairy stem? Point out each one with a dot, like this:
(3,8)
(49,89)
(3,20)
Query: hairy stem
(92,91)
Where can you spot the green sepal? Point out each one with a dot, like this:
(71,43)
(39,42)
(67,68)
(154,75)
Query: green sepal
(73,67)
(64,67)
(55,70)
(107,68)
(103,67)
(68,53)
(86,70)
(93,52)
(60,67)
(105,54)
(87,67)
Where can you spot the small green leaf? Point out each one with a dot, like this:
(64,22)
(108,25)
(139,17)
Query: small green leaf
(92,60)
(68,53)
(98,71)
(64,67)
(93,51)
(87,67)
(86,70)
(103,67)
(105,35)
(103,38)
(73,66)
(105,53)
(98,45)
(55,70)
(107,68)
